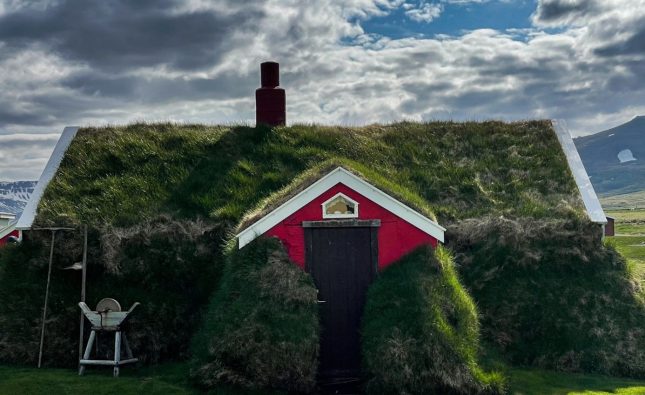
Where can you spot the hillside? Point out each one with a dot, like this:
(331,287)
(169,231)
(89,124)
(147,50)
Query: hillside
(615,158)
(15,195)
(626,201)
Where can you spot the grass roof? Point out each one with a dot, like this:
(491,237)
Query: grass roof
(123,175)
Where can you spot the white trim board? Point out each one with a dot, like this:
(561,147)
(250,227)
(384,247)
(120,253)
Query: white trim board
(29,213)
(340,175)
(5,231)
(588,194)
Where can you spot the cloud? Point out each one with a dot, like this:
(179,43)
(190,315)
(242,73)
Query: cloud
(24,155)
(122,34)
(561,12)
(72,62)
(424,12)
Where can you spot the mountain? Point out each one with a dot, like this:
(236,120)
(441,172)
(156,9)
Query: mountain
(615,158)
(14,195)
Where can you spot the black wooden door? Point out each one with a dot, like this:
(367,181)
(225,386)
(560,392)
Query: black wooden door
(342,261)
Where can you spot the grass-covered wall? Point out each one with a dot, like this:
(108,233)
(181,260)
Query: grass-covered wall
(169,266)
(421,331)
(125,177)
(549,295)
(261,329)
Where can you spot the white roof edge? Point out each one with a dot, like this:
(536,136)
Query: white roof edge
(587,192)
(29,213)
(340,175)
(5,231)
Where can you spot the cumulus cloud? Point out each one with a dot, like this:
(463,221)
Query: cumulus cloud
(423,12)
(23,156)
(73,62)
(561,12)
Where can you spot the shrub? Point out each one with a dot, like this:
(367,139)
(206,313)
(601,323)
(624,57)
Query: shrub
(167,265)
(420,331)
(261,329)
(551,295)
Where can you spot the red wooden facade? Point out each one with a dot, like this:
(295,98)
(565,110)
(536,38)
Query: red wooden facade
(396,237)
(4,240)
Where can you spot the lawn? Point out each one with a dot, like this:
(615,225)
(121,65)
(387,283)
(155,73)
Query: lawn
(540,382)
(167,379)
(172,379)
(630,239)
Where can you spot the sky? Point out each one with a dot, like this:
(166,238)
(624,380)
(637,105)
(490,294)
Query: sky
(350,62)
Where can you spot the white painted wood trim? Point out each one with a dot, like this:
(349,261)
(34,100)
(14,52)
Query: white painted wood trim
(340,175)
(5,231)
(588,194)
(29,213)
(339,216)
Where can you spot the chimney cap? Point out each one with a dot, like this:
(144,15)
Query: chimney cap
(270,74)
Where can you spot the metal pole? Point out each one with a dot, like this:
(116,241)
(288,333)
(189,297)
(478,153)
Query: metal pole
(49,275)
(83,277)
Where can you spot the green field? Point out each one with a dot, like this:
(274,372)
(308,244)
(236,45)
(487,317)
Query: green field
(172,379)
(630,239)
(634,200)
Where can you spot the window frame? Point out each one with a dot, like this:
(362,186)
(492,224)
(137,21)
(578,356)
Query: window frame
(337,216)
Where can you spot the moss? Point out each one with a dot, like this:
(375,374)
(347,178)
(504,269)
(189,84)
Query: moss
(550,295)
(420,331)
(261,330)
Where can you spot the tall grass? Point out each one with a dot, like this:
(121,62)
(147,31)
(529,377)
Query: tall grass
(421,331)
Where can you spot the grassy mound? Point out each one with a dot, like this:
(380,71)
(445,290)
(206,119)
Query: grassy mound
(550,296)
(167,265)
(420,331)
(261,330)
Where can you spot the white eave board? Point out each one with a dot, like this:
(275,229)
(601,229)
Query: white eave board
(342,176)
(588,194)
(29,213)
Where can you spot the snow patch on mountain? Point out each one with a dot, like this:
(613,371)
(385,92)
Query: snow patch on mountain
(626,155)
(15,195)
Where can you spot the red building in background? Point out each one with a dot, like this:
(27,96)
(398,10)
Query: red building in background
(8,229)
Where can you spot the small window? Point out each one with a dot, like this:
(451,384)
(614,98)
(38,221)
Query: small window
(340,206)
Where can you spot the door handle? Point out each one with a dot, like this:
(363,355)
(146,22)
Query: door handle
(321,301)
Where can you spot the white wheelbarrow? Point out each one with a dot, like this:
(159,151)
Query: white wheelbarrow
(108,317)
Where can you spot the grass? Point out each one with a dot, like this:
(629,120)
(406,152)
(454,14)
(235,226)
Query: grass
(551,296)
(166,379)
(461,169)
(171,379)
(630,240)
(633,200)
(542,382)
(262,327)
(421,332)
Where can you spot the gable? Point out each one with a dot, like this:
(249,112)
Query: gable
(28,215)
(346,178)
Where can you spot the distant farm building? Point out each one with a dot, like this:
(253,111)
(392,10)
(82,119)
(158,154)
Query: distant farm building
(8,231)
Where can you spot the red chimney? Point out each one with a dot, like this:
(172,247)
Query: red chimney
(270,99)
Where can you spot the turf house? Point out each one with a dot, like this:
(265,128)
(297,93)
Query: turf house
(412,258)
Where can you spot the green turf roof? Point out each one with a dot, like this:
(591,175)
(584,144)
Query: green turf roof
(122,175)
